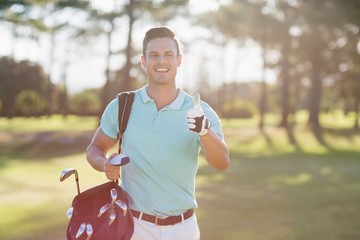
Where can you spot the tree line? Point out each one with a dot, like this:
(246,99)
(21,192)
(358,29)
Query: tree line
(313,46)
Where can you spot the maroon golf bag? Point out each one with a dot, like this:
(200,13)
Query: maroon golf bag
(97,216)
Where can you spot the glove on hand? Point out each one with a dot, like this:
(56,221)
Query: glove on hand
(196,118)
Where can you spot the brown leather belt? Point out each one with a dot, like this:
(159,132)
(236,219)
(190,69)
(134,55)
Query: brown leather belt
(163,221)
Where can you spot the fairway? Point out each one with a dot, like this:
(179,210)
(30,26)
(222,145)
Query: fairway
(280,79)
(308,189)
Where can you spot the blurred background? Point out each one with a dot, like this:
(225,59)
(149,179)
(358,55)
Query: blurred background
(284,76)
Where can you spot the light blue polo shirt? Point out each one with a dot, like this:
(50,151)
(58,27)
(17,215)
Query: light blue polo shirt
(160,178)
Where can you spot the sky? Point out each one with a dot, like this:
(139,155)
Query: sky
(87,64)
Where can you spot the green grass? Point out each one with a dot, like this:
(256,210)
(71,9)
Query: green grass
(43,124)
(308,189)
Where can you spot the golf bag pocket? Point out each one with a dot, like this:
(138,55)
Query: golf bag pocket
(101,213)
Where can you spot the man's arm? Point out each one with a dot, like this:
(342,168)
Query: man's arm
(96,154)
(215,151)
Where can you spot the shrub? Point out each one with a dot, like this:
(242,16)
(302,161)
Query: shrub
(85,103)
(29,103)
(239,109)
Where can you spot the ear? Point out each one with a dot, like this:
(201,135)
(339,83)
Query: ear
(179,59)
(143,62)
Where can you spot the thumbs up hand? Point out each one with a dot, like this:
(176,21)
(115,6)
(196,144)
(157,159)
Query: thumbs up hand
(196,118)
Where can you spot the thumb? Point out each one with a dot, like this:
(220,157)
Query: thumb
(112,155)
(197,101)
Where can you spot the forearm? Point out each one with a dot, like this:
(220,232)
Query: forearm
(96,157)
(96,154)
(215,151)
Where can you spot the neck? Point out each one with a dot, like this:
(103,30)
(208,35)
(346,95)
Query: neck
(162,95)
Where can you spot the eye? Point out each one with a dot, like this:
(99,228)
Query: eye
(153,54)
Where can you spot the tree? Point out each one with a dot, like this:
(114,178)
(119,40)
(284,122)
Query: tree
(252,23)
(350,10)
(17,77)
(317,21)
(42,17)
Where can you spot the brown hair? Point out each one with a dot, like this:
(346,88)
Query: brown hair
(160,32)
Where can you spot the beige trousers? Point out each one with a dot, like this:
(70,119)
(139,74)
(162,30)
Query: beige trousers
(186,230)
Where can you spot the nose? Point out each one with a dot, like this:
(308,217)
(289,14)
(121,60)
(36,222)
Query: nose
(161,59)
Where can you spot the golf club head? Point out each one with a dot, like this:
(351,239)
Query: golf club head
(120,160)
(89,231)
(113,194)
(123,206)
(81,230)
(69,213)
(65,173)
(112,218)
(104,209)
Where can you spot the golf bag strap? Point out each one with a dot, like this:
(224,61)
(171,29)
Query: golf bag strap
(125,100)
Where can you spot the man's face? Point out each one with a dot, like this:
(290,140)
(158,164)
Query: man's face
(161,60)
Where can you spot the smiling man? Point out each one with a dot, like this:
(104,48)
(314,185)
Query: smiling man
(166,129)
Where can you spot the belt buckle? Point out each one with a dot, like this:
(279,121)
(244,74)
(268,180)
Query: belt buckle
(157,219)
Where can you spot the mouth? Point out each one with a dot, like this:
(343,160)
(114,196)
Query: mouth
(161,69)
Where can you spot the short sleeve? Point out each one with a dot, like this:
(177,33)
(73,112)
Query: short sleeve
(215,121)
(109,119)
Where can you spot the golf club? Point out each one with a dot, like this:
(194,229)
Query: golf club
(120,160)
(114,195)
(89,231)
(104,209)
(122,205)
(69,213)
(112,217)
(67,173)
(81,230)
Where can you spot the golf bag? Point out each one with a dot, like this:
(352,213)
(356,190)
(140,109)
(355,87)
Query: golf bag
(85,217)
(103,212)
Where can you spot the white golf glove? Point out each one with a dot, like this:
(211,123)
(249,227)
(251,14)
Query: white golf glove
(196,118)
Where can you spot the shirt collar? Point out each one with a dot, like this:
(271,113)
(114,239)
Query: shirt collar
(145,97)
(175,105)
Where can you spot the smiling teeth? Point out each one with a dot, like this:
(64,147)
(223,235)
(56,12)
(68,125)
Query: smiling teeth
(161,69)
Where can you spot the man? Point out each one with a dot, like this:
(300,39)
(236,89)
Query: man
(165,131)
